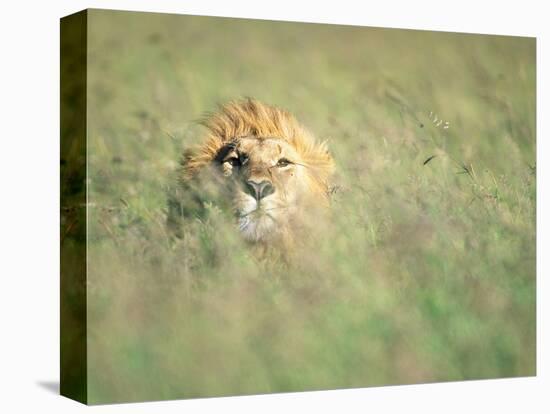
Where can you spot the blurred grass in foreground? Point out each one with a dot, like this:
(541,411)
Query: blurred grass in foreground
(427,272)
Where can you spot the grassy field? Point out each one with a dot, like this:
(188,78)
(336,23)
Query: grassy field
(427,270)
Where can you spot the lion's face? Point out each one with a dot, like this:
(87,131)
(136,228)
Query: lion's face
(266,183)
(267,167)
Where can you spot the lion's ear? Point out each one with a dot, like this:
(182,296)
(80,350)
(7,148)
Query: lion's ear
(320,164)
(322,159)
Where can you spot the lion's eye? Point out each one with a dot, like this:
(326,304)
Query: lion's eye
(233,161)
(283,162)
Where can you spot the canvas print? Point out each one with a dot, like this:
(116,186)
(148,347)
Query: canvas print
(253,207)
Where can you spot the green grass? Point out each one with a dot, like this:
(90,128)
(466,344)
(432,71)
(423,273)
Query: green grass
(427,270)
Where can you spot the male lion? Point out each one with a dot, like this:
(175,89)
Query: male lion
(261,163)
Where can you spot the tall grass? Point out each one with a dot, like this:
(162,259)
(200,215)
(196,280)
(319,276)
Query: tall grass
(426,271)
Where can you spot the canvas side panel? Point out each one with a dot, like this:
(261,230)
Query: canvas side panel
(73,206)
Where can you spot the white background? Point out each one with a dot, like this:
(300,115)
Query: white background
(29,207)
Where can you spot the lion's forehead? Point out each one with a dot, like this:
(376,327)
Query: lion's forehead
(265,149)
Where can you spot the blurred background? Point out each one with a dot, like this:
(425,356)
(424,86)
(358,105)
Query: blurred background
(427,272)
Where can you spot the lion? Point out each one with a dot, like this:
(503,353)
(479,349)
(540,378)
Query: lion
(262,164)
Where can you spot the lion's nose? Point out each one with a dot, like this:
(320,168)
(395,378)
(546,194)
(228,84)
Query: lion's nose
(259,190)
